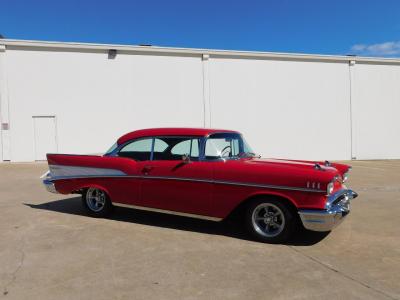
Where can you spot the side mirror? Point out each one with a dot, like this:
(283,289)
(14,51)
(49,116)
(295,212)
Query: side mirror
(186,158)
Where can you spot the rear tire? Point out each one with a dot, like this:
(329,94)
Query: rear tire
(270,220)
(96,203)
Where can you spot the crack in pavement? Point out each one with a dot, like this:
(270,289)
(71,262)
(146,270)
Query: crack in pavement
(14,274)
(343,274)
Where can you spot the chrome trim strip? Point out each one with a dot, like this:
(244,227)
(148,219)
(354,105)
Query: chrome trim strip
(266,186)
(63,170)
(237,183)
(153,141)
(54,178)
(182,214)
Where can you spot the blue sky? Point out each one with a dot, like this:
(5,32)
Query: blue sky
(327,27)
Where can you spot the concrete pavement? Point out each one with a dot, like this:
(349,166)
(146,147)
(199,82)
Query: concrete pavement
(50,250)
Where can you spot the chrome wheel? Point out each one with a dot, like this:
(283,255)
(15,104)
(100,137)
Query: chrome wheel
(268,220)
(95,199)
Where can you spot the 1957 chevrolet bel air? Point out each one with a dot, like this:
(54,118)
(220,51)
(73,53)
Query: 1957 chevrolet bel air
(205,173)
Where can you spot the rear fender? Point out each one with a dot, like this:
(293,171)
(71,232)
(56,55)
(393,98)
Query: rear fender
(125,165)
(97,186)
(72,173)
(77,187)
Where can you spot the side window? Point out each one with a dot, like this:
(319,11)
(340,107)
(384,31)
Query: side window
(137,150)
(190,147)
(160,145)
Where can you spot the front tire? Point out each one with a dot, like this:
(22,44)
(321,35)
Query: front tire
(96,202)
(270,221)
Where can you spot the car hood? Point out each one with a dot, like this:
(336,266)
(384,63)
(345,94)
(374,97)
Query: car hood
(281,172)
(301,167)
(297,164)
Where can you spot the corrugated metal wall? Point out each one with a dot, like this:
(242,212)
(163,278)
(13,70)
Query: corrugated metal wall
(294,108)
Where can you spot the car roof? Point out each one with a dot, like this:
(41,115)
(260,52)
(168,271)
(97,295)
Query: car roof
(169,132)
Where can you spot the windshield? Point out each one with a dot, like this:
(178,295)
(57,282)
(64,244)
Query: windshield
(227,145)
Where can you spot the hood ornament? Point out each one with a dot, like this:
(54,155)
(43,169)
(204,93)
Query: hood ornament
(317,167)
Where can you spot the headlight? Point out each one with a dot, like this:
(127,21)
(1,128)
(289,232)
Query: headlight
(346,175)
(329,188)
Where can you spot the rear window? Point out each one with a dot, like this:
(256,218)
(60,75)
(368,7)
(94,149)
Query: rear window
(112,148)
(138,150)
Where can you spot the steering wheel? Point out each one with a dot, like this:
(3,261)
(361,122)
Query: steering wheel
(225,149)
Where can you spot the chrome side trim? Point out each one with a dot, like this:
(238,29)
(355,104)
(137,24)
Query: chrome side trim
(237,183)
(266,186)
(62,170)
(182,214)
(45,175)
(54,178)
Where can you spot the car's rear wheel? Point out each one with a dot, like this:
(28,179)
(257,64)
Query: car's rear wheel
(270,220)
(96,202)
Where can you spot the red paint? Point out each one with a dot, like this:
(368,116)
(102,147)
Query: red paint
(168,132)
(210,198)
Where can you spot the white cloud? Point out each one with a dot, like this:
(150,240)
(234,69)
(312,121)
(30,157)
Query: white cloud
(383,49)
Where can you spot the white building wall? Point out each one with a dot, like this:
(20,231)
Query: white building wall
(292,106)
(376,111)
(4,134)
(290,109)
(96,99)
(2,70)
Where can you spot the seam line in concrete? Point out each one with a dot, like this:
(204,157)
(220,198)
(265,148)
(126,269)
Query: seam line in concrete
(14,274)
(343,274)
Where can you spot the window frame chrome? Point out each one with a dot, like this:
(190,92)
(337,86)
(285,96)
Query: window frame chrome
(218,158)
(153,138)
(202,145)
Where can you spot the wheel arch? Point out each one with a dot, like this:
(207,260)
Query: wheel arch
(84,187)
(239,210)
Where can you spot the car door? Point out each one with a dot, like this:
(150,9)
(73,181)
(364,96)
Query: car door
(127,188)
(173,184)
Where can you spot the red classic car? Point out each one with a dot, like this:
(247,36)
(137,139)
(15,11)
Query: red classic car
(205,173)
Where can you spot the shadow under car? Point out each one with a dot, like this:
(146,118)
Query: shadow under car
(229,227)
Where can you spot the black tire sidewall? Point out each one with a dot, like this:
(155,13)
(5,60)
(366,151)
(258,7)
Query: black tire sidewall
(287,231)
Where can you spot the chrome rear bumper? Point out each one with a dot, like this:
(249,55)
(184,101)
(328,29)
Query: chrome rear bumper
(48,184)
(337,208)
(50,187)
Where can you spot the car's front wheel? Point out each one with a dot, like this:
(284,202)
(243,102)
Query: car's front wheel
(96,202)
(270,220)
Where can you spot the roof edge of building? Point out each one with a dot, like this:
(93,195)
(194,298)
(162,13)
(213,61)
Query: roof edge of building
(193,51)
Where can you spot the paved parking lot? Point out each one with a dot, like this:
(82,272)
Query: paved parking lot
(50,250)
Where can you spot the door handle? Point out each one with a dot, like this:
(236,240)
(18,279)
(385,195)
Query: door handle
(147,169)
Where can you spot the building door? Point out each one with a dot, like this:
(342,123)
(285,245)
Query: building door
(45,136)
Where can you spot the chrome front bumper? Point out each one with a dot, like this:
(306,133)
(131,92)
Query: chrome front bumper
(337,208)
